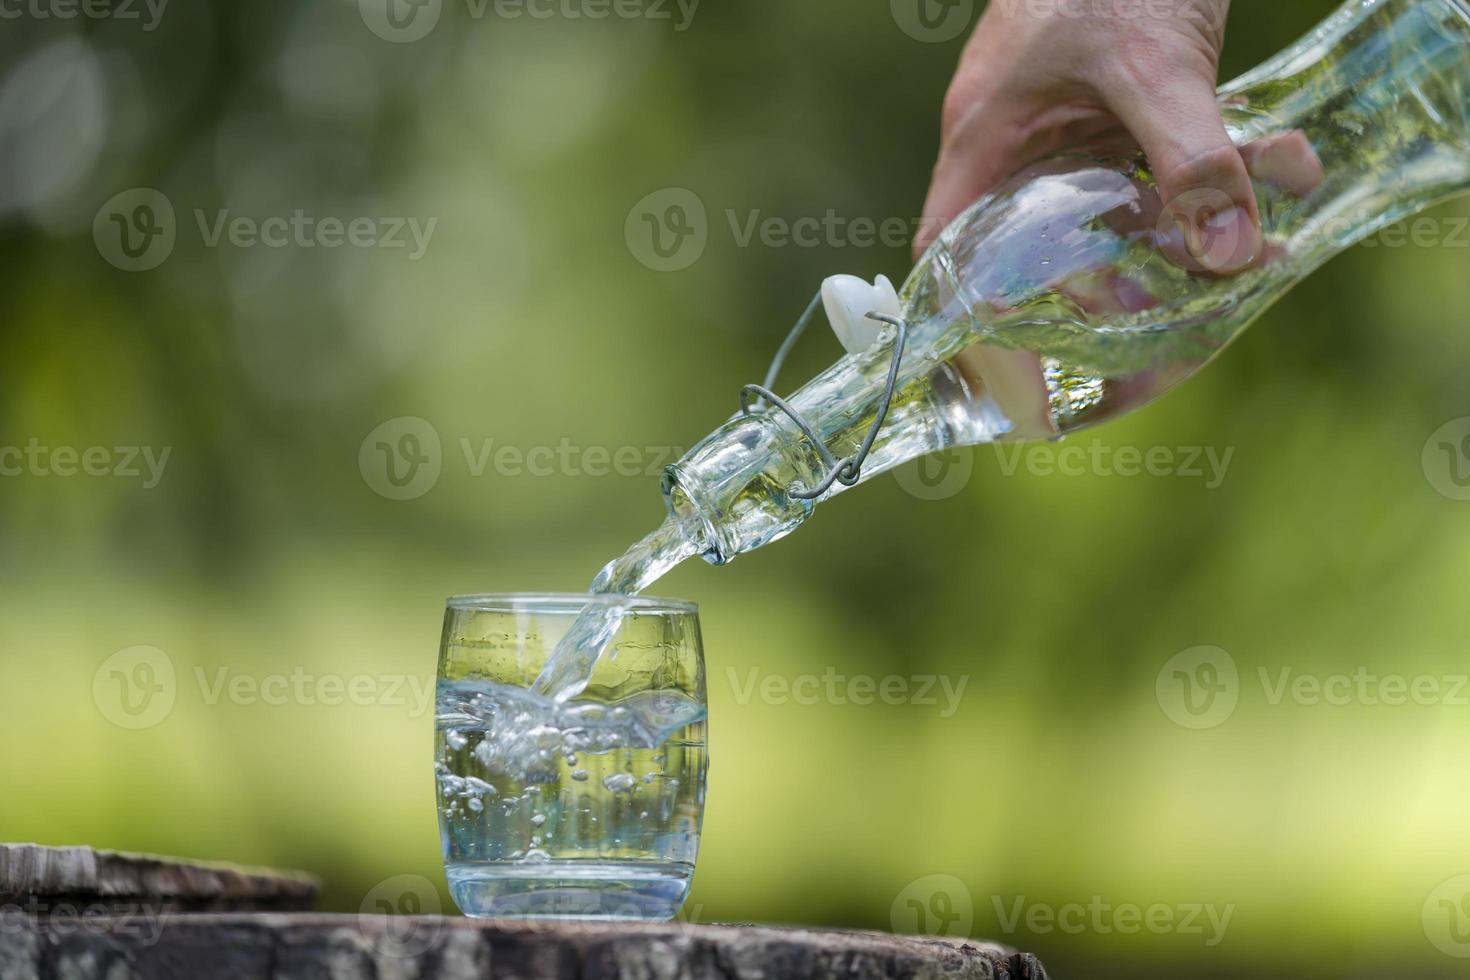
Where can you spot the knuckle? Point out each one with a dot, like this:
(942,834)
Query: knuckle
(1217,166)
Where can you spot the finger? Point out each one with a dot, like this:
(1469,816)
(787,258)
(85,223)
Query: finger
(1202,178)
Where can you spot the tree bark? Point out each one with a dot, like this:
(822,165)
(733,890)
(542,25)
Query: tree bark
(373,947)
(75,879)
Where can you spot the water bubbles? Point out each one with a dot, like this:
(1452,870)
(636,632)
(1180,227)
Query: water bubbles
(538,820)
(620,782)
(647,778)
(527,736)
(536,856)
(580,775)
(455,740)
(474,804)
(478,787)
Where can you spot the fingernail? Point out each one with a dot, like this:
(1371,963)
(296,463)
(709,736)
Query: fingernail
(1227,242)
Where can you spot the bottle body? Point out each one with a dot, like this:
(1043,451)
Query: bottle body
(1065,298)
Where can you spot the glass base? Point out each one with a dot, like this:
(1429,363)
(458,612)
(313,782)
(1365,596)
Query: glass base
(648,891)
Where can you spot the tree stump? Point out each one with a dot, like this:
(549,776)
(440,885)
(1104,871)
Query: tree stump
(78,914)
(78,880)
(373,947)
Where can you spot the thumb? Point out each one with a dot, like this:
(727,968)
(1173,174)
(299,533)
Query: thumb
(1202,177)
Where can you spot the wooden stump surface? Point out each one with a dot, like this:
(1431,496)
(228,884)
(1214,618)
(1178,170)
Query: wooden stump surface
(373,947)
(76,913)
(71,878)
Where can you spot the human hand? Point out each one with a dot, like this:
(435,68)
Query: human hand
(1033,81)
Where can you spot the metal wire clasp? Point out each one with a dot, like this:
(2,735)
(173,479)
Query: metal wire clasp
(847,470)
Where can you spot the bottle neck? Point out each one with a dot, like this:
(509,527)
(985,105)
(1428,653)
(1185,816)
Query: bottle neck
(1360,124)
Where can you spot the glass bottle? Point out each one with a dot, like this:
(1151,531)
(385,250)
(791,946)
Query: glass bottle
(1065,297)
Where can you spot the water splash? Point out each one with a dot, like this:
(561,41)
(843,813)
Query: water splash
(569,668)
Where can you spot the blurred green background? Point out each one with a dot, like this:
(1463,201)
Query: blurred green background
(533,319)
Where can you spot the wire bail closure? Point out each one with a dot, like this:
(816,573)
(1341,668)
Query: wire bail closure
(847,470)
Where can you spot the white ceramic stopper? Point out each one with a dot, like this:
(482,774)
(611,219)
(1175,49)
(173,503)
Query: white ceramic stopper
(848,300)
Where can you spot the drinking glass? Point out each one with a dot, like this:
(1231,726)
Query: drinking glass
(587,808)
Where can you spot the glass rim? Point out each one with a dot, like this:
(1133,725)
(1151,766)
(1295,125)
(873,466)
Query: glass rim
(567,602)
